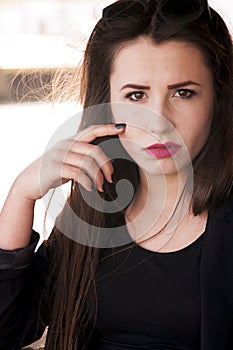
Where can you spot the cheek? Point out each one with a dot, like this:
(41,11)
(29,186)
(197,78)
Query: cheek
(133,138)
(195,134)
(204,122)
(133,133)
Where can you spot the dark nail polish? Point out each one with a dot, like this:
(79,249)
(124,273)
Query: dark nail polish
(120,126)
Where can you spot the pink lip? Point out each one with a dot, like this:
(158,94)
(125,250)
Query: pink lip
(166,150)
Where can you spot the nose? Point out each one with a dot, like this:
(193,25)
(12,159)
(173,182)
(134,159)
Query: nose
(162,120)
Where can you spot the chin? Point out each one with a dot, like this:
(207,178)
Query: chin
(159,169)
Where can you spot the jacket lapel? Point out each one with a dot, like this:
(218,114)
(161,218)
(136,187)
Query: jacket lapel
(217,282)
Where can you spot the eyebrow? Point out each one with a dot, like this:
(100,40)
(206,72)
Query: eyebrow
(170,87)
(182,84)
(136,86)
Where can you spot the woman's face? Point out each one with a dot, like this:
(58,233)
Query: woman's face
(175,87)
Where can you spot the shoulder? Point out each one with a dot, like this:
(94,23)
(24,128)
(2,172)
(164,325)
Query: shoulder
(220,225)
(225,209)
(46,251)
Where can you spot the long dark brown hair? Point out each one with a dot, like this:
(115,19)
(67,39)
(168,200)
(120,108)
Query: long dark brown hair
(74,266)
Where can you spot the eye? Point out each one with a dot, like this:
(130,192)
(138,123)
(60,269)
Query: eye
(136,96)
(184,93)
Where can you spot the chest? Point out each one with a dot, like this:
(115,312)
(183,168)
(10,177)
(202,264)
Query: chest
(151,297)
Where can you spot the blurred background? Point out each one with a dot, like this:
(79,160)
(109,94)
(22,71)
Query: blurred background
(41,36)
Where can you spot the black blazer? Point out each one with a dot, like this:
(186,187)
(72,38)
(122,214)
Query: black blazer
(23,275)
(217,281)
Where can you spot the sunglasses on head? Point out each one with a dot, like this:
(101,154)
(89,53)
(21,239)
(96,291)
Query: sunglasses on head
(167,9)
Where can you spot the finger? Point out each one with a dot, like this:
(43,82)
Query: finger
(94,131)
(73,173)
(79,162)
(97,154)
(59,158)
(67,146)
(84,180)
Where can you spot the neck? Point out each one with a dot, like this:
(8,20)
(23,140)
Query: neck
(169,187)
(162,199)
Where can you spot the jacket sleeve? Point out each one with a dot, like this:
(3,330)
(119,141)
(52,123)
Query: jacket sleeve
(23,275)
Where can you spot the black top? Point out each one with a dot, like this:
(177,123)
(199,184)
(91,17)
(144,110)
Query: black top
(200,309)
(149,300)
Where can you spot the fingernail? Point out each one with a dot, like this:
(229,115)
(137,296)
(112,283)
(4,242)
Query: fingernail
(99,188)
(113,178)
(110,179)
(120,126)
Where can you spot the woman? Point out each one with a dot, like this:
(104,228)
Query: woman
(168,60)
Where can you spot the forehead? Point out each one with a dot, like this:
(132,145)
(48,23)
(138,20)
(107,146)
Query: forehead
(143,57)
